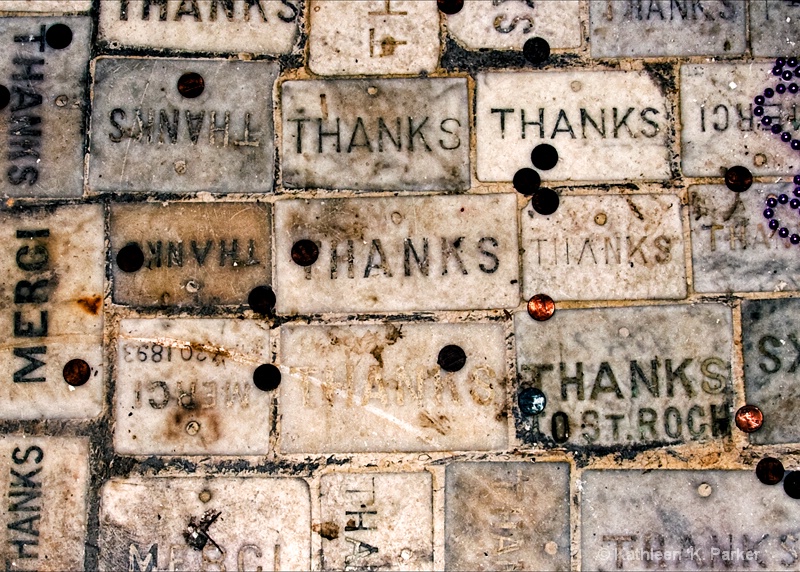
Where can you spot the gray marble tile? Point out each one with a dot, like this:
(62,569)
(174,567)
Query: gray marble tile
(773,27)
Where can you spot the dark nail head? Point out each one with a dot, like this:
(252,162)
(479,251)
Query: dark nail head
(305,252)
(5,97)
(77,372)
(451,358)
(769,471)
(544,157)
(791,484)
(58,36)
(267,377)
(545,201)
(526,181)
(450,6)
(191,85)
(261,300)
(130,258)
(536,50)
(738,179)
(531,401)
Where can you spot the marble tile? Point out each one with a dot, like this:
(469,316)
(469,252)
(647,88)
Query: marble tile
(46,6)
(773,27)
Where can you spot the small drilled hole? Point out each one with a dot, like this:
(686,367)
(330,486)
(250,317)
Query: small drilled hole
(769,471)
(130,258)
(450,6)
(262,300)
(305,252)
(545,201)
(77,372)
(544,157)
(738,179)
(536,50)
(5,97)
(526,181)
(191,85)
(451,358)
(531,401)
(58,36)
(267,377)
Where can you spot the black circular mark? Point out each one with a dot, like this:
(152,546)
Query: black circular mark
(769,471)
(305,252)
(58,36)
(531,401)
(536,50)
(267,377)
(130,258)
(738,179)
(451,358)
(262,300)
(450,6)
(5,97)
(544,157)
(77,372)
(791,484)
(526,181)
(545,201)
(191,85)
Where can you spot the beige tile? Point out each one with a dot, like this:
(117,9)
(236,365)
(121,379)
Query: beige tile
(46,6)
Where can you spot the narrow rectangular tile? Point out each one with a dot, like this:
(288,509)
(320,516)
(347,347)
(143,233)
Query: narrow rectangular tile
(382,388)
(382,134)
(49,6)
(605,248)
(260,27)
(52,291)
(622,377)
(148,136)
(186,387)
(398,254)
(605,126)
(151,524)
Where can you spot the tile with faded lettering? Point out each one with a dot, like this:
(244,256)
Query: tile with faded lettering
(44,68)
(44,483)
(383,521)
(612,377)
(667,28)
(250,26)
(373,37)
(507,516)
(733,248)
(217,523)
(774,27)
(605,126)
(685,520)
(771,351)
(49,6)
(508,25)
(605,248)
(182,254)
(397,254)
(387,134)
(393,387)
(52,291)
(182,125)
(719,129)
(192,386)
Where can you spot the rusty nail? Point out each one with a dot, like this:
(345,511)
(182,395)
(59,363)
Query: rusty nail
(738,179)
(451,358)
(77,372)
(749,418)
(191,85)
(769,471)
(305,252)
(541,307)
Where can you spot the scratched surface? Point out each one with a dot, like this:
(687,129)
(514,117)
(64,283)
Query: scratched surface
(266,267)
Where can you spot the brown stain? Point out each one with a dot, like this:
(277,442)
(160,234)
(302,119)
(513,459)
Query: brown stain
(176,421)
(327,530)
(441,423)
(90,304)
(393,333)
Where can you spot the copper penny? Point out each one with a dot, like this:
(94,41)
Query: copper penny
(749,418)
(541,307)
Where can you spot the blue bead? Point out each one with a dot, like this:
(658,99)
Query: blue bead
(772,202)
(783,199)
(796,180)
(776,129)
(793,88)
(768,92)
(780,88)
(783,232)
(794,203)
(786,136)
(766,121)
(792,62)
(787,75)
(769,213)
(758,111)
(795,239)
(774,224)
(777,70)
(795,144)
(759,100)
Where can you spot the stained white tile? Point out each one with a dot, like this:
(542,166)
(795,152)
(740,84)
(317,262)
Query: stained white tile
(773,27)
